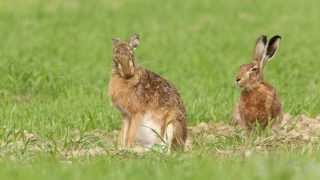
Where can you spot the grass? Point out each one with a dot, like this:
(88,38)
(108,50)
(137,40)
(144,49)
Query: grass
(55,60)
(302,167)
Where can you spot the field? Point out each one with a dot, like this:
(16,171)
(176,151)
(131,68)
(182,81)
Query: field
(57,122)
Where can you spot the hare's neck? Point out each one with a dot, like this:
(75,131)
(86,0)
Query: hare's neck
(132,80)
(251,88)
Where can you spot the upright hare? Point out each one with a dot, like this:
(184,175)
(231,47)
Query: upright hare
(259,102)
(151,107)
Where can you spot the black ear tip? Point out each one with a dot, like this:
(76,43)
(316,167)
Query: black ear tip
(277,37)
(263,38)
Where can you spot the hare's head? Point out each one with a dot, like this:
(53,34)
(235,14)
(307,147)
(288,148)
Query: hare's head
(123,56)
(251,74)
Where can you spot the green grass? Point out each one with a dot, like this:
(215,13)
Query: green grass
(55,61)
(182,167)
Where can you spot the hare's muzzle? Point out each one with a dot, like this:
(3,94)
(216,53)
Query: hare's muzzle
(238,82)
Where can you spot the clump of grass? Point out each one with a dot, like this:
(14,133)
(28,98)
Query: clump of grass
(293,133)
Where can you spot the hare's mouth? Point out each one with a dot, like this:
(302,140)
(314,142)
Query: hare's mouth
(238,83)
(128,76)
(241,84)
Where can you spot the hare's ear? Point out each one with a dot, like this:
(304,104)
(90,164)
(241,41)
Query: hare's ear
(273,46)
(115,41)
(260,49)
(134,41)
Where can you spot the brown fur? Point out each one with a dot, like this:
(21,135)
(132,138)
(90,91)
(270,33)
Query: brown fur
(136,91)
(259,102)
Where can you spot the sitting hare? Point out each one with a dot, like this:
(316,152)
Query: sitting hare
(259,102)
(151,107)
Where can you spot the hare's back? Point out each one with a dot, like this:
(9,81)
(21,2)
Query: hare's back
(273,102)
(276,103)
(152,88)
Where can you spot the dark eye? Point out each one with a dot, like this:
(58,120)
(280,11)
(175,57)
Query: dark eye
(254,69)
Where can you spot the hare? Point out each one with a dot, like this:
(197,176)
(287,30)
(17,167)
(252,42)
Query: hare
(151,107)
(259,102)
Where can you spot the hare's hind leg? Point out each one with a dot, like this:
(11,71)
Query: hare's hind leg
(168,136)
(174,136)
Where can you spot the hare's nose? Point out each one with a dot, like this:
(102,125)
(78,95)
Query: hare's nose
(238,79)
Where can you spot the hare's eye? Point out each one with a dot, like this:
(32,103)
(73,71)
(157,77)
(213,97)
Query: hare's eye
(254,69)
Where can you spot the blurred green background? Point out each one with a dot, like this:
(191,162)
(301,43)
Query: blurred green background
(55,56)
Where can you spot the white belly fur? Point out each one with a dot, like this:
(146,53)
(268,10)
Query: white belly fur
(148,132)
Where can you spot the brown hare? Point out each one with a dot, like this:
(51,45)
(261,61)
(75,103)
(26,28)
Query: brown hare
(259,103)
(151,108)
